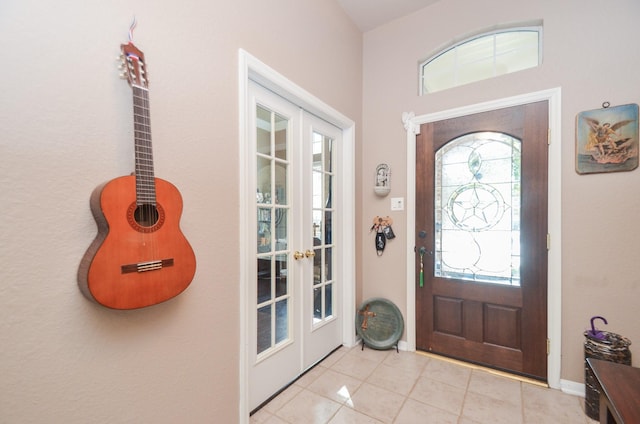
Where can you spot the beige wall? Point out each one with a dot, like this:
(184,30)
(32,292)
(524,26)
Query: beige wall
(590,52)
(66,126)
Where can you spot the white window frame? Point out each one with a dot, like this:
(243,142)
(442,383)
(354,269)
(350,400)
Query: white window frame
(456,44)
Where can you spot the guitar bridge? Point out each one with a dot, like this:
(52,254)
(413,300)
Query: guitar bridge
(146,266)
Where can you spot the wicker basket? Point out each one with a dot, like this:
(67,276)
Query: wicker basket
(613,348)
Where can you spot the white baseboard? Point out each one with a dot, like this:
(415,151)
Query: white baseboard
(572,388)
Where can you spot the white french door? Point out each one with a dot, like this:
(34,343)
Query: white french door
(294,299)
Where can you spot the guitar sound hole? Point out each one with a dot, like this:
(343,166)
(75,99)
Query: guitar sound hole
(146,218)
(146,215)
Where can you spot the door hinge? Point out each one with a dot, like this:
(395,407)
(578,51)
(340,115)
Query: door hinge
(548,136)
(548,241)
(548,347)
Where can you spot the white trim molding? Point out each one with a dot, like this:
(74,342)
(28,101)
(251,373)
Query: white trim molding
(573,388)
(250,68)
(409,125)
(554,301)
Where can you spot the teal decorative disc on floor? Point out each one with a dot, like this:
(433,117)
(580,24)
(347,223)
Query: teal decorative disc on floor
(379,323)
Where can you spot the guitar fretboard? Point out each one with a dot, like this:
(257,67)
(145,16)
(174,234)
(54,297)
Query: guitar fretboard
(145,180)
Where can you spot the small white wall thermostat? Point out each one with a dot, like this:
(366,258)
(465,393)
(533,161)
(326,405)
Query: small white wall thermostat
(397,203)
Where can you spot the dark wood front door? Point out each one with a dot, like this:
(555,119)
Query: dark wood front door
(481,238)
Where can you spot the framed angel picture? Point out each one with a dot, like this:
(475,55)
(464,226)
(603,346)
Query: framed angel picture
(607,139)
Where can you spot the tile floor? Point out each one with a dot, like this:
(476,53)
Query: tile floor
(354,386)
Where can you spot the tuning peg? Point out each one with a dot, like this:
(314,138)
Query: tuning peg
(123,76)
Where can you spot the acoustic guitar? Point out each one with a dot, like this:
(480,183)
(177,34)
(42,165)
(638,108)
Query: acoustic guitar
(139,257)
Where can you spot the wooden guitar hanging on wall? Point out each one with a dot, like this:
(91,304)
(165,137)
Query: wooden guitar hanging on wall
(140,256)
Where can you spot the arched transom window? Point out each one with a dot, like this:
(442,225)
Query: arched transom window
(480,57)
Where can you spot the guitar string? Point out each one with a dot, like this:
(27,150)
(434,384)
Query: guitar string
(145,180)
(147,165)
(143,140)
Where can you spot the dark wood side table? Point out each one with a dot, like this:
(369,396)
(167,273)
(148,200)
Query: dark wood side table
(619,391)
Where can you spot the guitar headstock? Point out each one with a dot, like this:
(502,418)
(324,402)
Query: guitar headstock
(134,66)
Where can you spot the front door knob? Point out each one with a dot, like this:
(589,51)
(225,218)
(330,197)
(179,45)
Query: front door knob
(309,253)
(298,255)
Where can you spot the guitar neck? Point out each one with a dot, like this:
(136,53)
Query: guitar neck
(145,181)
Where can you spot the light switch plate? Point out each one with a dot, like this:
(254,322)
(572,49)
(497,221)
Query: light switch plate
(397,203)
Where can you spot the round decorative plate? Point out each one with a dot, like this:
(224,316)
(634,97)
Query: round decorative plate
(379,323)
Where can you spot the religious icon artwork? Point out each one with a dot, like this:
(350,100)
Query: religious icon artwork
(607,139)
(382,180)
(382,175)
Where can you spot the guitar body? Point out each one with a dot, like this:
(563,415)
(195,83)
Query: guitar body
(135,262)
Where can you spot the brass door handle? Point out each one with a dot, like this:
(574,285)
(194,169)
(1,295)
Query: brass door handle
(298,255)
(309,253)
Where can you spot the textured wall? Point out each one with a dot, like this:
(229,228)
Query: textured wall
(66,126)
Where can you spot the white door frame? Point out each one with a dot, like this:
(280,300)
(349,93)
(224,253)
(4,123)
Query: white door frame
(250,68)
(554,302)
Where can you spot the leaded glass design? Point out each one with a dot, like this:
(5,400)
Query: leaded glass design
(477,209)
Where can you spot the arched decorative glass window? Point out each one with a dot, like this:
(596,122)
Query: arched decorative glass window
(483,56)
(477,208)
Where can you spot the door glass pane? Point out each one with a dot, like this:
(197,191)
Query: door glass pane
(264,230)
(263,194)
(477,209)
(264,328)
(327,263)
(281,225)
(327,226)
(317,266)
(328,156)
(282,320)
(280,136)
(317,227)
(273,290)
(318,194)
(317,304)
(281,275)
(264,279)
(322,179)
(263,131)
(326,199)
(281,189)
(328,303)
